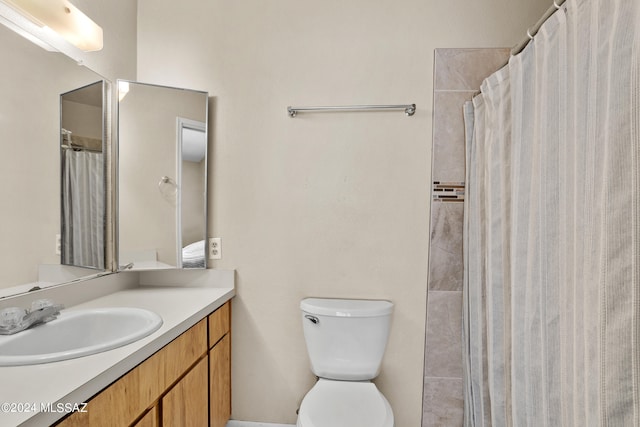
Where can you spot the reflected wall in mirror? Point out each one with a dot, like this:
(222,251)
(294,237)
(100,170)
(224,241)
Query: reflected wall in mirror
(83,175)
(162,168)
(33,80)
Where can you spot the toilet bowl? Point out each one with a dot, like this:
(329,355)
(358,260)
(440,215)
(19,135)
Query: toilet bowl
(345,341)
(333,403)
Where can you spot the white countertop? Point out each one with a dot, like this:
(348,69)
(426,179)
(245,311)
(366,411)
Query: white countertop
(76,380)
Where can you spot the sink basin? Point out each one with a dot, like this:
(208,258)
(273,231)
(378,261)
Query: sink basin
(77,333)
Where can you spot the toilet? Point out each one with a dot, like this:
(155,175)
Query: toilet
(345,340)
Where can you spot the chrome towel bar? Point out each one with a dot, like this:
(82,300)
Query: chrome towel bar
(409,109)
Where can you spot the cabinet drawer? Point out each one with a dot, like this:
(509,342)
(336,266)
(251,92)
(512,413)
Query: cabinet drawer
(183,352)
(219,322)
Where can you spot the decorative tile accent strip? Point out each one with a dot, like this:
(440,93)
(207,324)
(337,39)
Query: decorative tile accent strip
(448,191)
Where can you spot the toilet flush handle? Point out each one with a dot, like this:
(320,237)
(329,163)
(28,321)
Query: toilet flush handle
(313,319)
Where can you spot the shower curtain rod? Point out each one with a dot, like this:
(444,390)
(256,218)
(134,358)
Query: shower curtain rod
(409,109)
(77,148)
(531,32)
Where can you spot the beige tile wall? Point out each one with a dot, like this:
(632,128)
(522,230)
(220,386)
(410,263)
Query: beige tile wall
(458,75)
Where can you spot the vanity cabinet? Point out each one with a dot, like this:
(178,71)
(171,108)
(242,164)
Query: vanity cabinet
(184,384)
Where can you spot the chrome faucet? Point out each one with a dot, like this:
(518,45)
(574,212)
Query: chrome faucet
(15,319)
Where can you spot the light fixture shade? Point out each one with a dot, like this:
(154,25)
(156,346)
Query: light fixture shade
(63,18)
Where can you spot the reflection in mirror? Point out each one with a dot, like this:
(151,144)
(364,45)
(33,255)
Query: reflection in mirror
(82,160)
(162,166)
(192,165)
(32,81)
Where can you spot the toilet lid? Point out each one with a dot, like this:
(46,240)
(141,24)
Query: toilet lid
(345,404)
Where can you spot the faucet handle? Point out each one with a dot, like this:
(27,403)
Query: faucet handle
(46,309)
(12,316)
(41,303)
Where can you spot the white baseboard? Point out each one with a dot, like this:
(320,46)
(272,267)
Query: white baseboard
(234,423)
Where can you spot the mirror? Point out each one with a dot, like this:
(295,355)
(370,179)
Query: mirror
(162,175)
(33,80)
(83,176)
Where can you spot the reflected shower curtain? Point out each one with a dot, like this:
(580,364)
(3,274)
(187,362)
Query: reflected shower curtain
(552,227)
(83,201)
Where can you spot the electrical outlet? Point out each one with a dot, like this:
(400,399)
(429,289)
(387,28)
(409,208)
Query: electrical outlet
(215,248)
(58,245)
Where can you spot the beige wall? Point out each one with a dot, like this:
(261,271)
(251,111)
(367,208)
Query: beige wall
(82,119)
(333,205)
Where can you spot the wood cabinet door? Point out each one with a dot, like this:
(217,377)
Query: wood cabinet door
(220,382)
(150,419)
(186,404)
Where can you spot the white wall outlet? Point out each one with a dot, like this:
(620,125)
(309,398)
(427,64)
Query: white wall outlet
(215,248)
(58,245)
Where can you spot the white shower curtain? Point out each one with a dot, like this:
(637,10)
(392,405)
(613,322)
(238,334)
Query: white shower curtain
(83,201)
(552,227)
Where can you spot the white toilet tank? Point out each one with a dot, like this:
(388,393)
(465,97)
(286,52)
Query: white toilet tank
(345,338)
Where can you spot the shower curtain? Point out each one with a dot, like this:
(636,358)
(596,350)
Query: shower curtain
(552,227)
(83,201)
